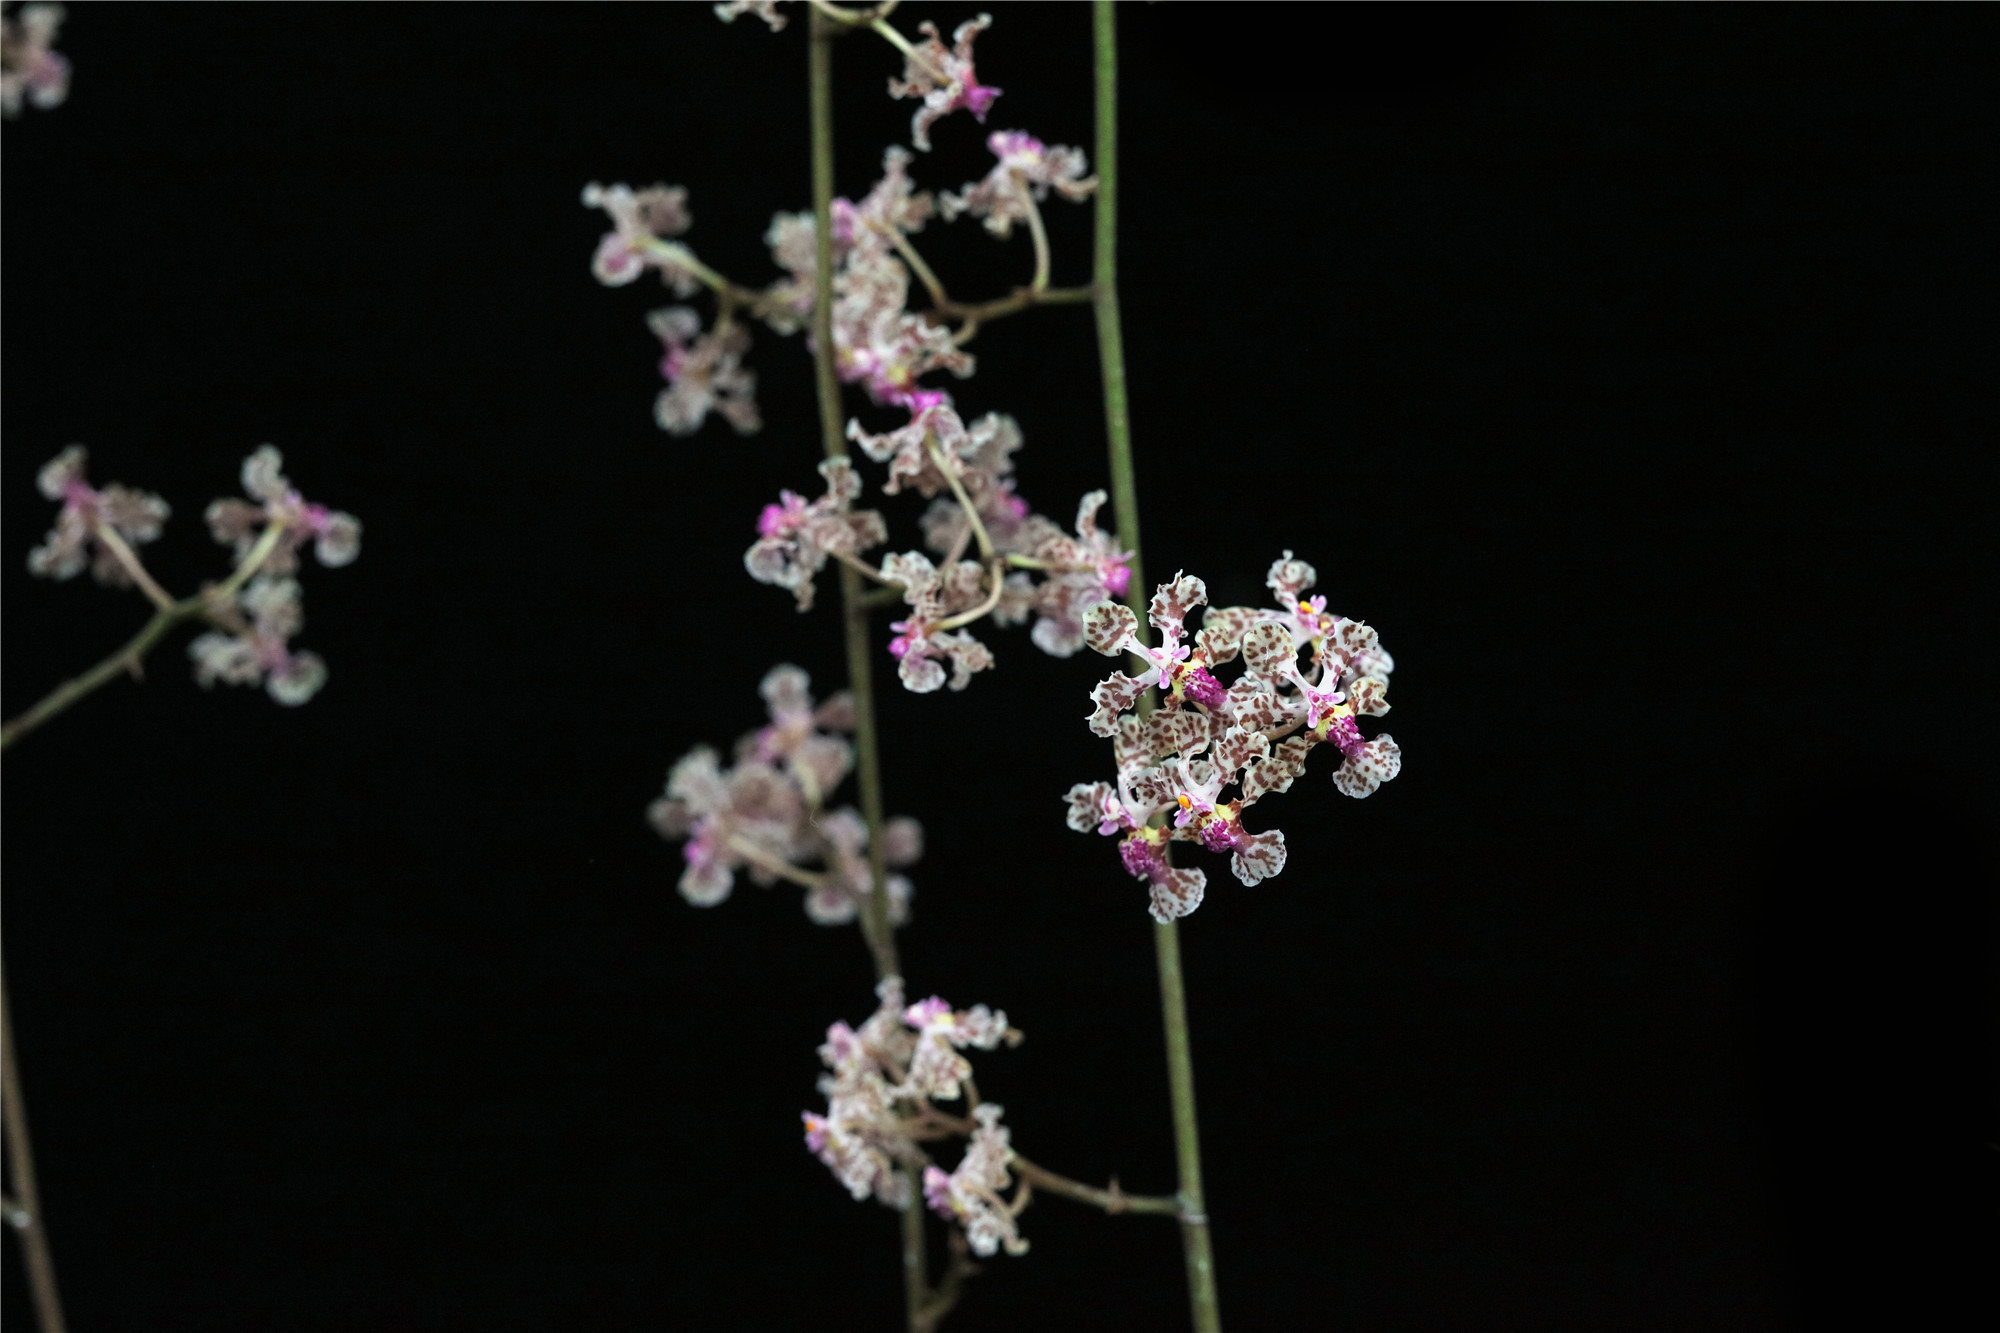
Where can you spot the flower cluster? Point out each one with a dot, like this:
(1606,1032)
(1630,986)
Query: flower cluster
(704,373)
(336,537)
(639,221)
(265,616)
(92,524)
(880,1092)
(878,342)
(1026,567)
(1254,734)
(944,79)
(766,813)
(796,537)
(255,628)
(30,71)
(1026,165)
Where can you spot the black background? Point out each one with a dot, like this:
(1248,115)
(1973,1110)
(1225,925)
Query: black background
(1630,368)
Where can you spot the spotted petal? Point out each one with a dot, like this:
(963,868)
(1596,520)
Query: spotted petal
(1369,695)
(1256,706)
(1290,576)
(1369,767)
(1185,734)
(1177,893)
(1279,771)
(1108,626)
(1238,747)
(1172,602)
(1113,696)
(1259,856)
(1268,649)
(1087,805)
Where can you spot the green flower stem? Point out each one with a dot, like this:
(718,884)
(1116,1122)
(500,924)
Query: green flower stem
(876,929)
(1202,1300)
(134,567)
(125,659)
(860,667)
(24,1212)
(133,654)
(1113,1200)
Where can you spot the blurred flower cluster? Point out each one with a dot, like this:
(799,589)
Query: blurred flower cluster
(255,612)
(766,813)
(31,71)
(884,1082)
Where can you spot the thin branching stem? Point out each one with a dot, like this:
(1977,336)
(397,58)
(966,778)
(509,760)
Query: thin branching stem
(854,618)
(777,865)
(24,1209)
(918,266)
(211,604)
(1038,233)
(1113,1200)
(133,566)
(950,471)
(995,575)
(863,568)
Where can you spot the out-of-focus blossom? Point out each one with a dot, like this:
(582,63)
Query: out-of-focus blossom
(973,1195)
(881,1082)
(840,839)
(1026,166)
(921,645)
(787,303)
(767,814)
(31,72)
(863,1138)
(704,373)
(802,737)
(925,453)
(730,10)
(76,539)
(259,651)
(1082,571)
(336,537)
(746,817)
(878,343)
(944,79)
(640,221)
(936,1069)
(796,537)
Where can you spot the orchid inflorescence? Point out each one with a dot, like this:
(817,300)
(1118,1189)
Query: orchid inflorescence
(767,813)
(1024,567)
(1182,737)
(882,1093)
(1254,734)
(254,613)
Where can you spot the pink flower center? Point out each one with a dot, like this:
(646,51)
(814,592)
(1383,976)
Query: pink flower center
(1204,689)
(1141,858)
(1221,835)
(784,518)
(909,637)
